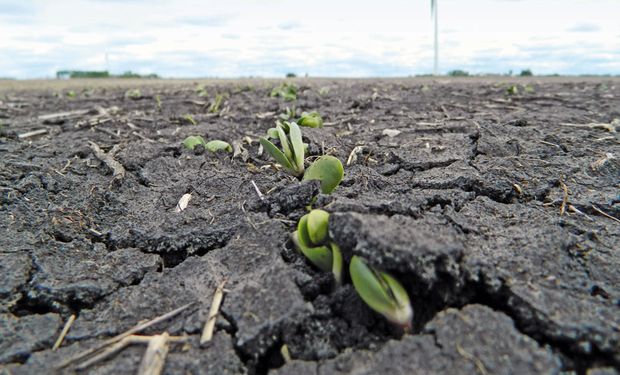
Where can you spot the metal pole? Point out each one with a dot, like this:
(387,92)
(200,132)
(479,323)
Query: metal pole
(435,20)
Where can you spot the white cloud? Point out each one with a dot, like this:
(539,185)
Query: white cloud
(272,37)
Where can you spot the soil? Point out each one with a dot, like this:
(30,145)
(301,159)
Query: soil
(498,212)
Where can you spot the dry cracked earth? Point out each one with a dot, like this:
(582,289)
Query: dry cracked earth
(497,211)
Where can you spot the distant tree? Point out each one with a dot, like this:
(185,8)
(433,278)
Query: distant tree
(526,73)
(291,75)
(458,73)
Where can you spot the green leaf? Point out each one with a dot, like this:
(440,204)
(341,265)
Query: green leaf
(298,146)
(316,223)
(302,232)
(336,263)
(194,140)
(217,145)
(276,154)
(320,256)
(310,119)
(381,292)
(286,147)
(328,170)
(272,133)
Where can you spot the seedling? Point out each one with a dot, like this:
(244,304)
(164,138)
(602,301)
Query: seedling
(214,146)
(158,102)
(286,91)
(289,114)
(291,157)
(312,239)
(134,94)
(201,91)
(189,118)
(512,90)
(217,145)
(215,106)
(324,91)
(71,94)
(328,170)
(310,119)
(381,292)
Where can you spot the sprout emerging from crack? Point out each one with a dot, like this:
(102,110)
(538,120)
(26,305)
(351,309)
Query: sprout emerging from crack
(310,119)
(381,292)
(291,157)
(328,170)
(312,239)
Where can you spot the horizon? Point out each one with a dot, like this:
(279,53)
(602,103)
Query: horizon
(188,39)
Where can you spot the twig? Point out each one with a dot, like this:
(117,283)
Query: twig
(155,355)
(207,333)
(260,195)
(564,197)
(574,209)
(593,125)
(118,171)
(117,347)
(33,133)
(63,333)
(131,331)
(471,357)
(605,214)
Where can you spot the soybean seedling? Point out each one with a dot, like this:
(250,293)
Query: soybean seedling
(312,239)
(381,292)
(310,119)
(328,170)
(214,146)
(215,106)
(291,157)
(286,91)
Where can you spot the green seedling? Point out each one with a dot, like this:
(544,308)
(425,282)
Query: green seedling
(291,157)
(324,91)
(201,91)
(214,146)
(194,140)
(158,102)
(189,118)
(134,94)
(312,240)
(215,106)
(289,114)
(217,145)
(71,94)
(328,170)
(286,91)
(512,90)
(381,292)
(310,119)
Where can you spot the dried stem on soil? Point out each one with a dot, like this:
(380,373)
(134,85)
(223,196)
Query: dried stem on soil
(564,197)
(605,214)
(33,133)
(64,332)
(131,331)
(155,355)
(218,296)
(118,171)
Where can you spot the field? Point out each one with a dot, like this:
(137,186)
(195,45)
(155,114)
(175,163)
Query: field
(494,201)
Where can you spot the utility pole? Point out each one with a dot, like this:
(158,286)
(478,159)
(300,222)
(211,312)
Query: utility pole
(434,12)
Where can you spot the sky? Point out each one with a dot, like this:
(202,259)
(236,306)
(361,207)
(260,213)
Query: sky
(335,38)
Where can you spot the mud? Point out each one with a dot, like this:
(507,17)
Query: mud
(498,212)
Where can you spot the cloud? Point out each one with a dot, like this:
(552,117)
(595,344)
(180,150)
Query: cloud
(584,28)
(289,25)
(205,21)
